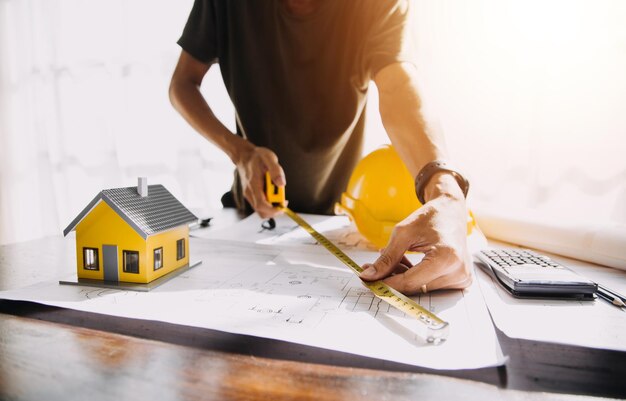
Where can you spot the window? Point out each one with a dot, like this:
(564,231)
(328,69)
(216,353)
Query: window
(180,249)
(131,262)
(90,259)
(158,258)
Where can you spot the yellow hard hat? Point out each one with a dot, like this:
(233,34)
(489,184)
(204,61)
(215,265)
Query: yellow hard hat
(380,194)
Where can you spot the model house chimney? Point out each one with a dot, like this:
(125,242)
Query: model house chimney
(142,186)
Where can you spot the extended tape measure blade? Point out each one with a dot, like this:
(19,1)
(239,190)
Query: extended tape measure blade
(436,329)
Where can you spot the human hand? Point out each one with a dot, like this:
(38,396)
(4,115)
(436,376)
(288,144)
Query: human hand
(252,166)
(438,229)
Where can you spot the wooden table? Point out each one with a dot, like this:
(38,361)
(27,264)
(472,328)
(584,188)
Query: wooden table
(52,353)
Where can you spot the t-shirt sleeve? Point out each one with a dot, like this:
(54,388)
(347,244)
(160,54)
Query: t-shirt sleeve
(389,39)
(200,34)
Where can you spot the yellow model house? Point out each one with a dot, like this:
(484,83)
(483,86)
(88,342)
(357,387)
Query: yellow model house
(133,235)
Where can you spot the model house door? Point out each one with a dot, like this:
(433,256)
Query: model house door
(110,262)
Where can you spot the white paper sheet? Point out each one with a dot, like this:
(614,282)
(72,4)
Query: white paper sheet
(337,229)
(300,294)
(593,242)
(594,324)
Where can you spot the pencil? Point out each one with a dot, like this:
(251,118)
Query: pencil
(611,292)
(608,297)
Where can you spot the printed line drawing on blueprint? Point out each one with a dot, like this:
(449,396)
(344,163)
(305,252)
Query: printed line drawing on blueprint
(301,295)
(296,287)
(95,293)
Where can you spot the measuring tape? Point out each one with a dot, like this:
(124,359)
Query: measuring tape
(436,329)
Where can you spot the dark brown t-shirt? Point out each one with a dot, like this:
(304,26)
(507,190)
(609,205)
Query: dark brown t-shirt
(299,84)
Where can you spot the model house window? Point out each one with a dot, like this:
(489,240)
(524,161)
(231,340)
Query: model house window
(131,262)
(90,259)
(158,258)
(180,249)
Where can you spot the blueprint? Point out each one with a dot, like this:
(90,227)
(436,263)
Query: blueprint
(297,293)
(337,229)
(594,324)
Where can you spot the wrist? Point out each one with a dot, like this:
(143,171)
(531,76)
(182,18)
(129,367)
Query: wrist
(240,149)
(436,179)
(443,185)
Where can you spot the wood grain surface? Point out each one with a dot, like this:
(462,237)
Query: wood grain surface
(52,361)
(49,353)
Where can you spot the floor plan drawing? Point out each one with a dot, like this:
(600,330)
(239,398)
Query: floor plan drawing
(298,293)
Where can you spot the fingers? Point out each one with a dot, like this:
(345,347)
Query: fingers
(253,179)
(404,265)
(436,230)
(273,167)
(388,260)
(255,194)
(259,203)
(450,281)
(411,281)
(438,270)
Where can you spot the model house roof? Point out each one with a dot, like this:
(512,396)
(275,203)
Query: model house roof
(153,213)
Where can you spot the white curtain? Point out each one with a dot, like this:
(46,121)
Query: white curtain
(531,96)
(84,106)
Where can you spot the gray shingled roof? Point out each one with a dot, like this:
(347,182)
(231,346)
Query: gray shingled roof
(157,212)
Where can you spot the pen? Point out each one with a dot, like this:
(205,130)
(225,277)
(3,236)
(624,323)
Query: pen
(610,297)
(611,292)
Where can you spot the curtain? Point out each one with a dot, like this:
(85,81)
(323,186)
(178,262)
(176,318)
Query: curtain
(84,107)
(530,95)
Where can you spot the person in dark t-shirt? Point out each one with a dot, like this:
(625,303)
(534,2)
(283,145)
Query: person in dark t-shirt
(297,72)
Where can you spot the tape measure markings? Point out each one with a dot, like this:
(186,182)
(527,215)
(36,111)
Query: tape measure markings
(437,329)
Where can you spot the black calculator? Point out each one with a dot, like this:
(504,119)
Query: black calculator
(527,274)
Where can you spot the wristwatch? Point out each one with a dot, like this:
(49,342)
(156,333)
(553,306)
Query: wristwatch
(432,168)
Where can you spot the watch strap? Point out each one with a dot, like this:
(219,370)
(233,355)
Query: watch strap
(432,168)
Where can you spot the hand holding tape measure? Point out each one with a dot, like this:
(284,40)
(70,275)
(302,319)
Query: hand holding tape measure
(435,329)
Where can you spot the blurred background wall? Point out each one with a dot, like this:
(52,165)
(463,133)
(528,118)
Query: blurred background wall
(531,96)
